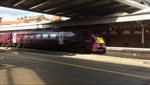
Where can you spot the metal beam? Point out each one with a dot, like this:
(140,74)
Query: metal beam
(145,2)
(104,7)
(115,9)
(18,3)
(41,4)
(81,6)
(58,5)
(104,20)
(74,7)
(3,1)
(132,3)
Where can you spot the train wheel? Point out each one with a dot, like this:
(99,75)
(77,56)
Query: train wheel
(6,45)
(2,45)
(18,46)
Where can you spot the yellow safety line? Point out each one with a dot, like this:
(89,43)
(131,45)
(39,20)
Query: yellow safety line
(82,66)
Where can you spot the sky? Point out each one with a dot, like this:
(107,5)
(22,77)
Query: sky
(8,14)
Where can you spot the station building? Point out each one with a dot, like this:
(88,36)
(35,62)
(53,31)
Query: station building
(115,30)
(136,32)
(117,36)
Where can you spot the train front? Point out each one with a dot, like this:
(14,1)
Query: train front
(99,44)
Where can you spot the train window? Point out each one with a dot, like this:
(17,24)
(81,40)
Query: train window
(96,34)
(0,35)
(31,37)
(69,34)
(52,36)
(26,36)
(38,36)
(86,34)
(45,36)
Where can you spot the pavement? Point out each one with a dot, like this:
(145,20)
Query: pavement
(32,66)
(137,57)
(20,67)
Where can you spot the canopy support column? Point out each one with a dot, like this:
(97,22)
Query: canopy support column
(143,28)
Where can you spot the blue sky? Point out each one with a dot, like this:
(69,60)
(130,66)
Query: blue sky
(9,14)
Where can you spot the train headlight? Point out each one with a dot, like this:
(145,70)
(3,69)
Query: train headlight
(102,45)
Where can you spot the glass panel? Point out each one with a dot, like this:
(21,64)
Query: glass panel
(38,36)
(52,36)
(31,37)
(96,34)
(69,34)
(45,36)
(25,36)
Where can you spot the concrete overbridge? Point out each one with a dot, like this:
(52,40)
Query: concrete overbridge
(76,8)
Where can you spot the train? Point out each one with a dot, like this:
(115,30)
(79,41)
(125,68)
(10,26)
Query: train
(82,40)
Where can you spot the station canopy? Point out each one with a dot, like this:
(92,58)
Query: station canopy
(77,8)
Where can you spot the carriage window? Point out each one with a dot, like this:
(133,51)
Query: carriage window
(38,36)
(25,36)
(45,36)
(52,36)
(69,34)
(31,37)
(86,34)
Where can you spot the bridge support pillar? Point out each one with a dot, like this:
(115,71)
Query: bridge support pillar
(143,37)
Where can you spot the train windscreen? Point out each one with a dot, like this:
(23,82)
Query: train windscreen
(96,34)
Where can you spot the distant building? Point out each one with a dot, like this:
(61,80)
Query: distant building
(57,18)
(35,19)
(26,19)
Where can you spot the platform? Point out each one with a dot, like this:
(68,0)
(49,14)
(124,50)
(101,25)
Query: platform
(128,51)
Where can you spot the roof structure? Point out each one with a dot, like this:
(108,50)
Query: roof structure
(103,20)
(145,2)
(75,8)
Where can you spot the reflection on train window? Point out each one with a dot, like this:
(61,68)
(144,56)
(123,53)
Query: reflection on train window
(86,34)
(38,36)
(45,36)
(69,34)
(52,36)
(31,37)
(25,36)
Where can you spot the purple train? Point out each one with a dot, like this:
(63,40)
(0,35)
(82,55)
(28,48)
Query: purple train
(82,40)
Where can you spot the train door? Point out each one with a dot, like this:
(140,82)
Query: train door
(14,38)
(5,38)
(61,37)
(9,38)
(79,38)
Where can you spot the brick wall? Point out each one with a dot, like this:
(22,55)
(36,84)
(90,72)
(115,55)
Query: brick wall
(12,22)
(117,37)
(0,21)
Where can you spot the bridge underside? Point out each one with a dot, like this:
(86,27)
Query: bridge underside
(74,8)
